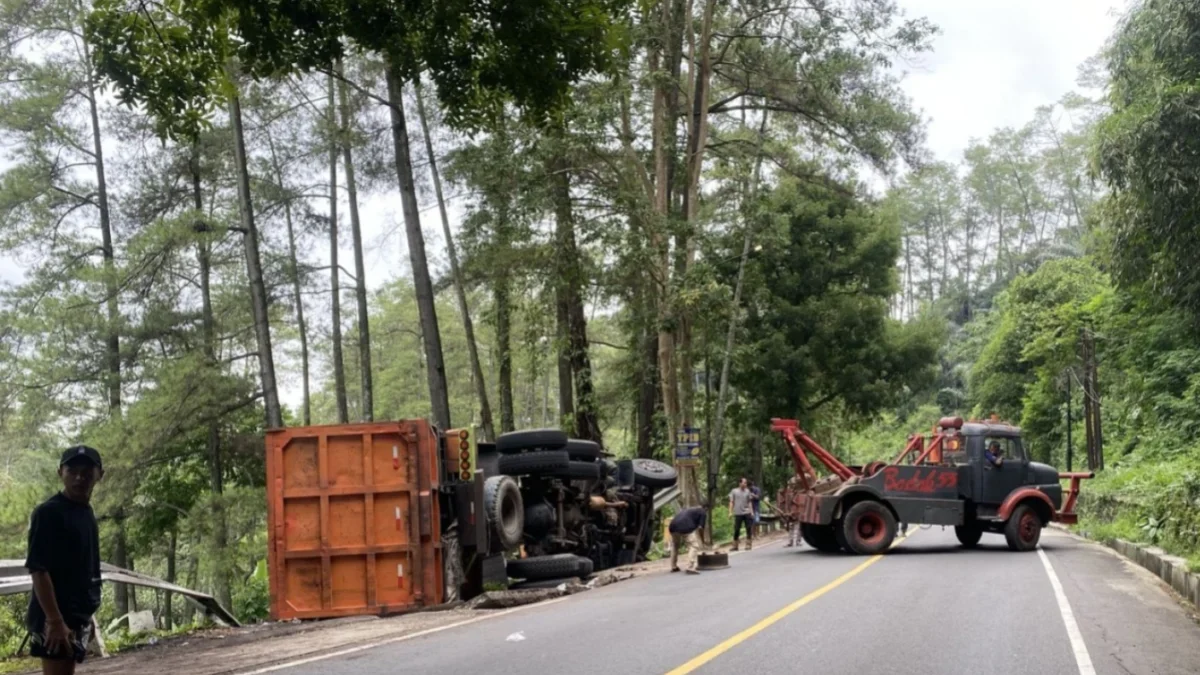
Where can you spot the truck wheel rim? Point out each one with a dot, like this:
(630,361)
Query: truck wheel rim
(1028,527)
(870,528)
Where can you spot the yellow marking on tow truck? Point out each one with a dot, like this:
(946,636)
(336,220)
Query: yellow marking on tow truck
(759,627)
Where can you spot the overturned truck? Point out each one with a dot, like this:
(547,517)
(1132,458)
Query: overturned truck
(386,517)
(974,476)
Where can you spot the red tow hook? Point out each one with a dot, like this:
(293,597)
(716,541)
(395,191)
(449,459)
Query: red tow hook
(1067,515)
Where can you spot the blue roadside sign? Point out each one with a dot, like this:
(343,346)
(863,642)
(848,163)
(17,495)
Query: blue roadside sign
(687,446)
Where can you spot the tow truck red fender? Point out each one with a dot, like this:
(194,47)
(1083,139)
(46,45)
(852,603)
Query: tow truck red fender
(1021,494)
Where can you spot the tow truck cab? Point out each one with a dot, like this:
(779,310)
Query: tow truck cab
(987,488)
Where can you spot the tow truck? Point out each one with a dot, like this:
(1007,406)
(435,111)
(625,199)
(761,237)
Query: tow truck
(948,481)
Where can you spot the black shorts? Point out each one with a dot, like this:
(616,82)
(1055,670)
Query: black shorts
(79,641)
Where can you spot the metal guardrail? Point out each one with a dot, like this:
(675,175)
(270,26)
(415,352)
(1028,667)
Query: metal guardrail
(663,498)
(14,579)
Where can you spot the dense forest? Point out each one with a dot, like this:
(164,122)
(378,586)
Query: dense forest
(614,218)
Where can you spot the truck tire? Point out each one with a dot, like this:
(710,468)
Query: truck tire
(820,537)
(582,450)
(531,439)
(653,473)
(969,534)
(869,528)
(578,471)
(504,509)
(527,463)
(544,583)
(1023,529)
(555,566)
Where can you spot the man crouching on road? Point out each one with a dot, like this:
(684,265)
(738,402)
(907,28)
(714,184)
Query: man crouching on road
(685,526)
(64,560)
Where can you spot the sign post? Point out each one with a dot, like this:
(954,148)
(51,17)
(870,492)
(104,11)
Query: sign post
(687,447)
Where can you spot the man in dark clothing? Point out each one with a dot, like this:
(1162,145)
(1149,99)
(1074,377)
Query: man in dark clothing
(994,455)
(685,526)
(64,560)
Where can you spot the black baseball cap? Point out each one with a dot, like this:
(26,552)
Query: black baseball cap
(81,452)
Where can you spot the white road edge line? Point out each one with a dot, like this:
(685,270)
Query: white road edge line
(1082,660)
(400,638)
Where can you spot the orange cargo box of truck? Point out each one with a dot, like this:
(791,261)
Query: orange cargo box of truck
(353,519)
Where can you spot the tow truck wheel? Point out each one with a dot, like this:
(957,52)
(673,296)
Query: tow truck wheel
(869,528)
(1023,529)
(820,537)
(969,534)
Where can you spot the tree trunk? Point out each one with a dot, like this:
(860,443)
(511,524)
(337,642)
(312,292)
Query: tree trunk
(297,296)
(566,389)
(112,339)
(485,408)
(360,269)
(570,279)
(500,291)
(697,141)
(434,365)
(646,346)
(120,558)
(339,365)
(220,526)
(258,291)
(172,550)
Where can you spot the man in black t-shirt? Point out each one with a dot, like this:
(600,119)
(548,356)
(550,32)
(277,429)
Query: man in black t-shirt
(64,559)
(685,527)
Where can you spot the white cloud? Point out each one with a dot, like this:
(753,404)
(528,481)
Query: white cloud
(997,60)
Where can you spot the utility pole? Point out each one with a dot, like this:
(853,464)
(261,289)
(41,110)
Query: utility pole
(1069,448)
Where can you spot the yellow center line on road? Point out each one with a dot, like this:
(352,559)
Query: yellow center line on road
(759,627)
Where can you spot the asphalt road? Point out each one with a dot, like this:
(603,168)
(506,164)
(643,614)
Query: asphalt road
(928,607)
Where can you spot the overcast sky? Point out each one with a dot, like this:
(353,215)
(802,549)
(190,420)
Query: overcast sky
(993,64)
(997,60)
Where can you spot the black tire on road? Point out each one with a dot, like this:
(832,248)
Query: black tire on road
(578,471)
(869,528)
(653,473)
(544,583)
(505,510)
(531,439)
(969,534)
(527,463)
(544,567)
(580,449)
(820,537)
(1023,529)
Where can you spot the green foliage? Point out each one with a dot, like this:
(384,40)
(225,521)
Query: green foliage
(1148,149)
(253,602)
(1022,371)
(176,60)
(817,324)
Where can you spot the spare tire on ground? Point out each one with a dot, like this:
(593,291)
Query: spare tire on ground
(505,510)
(652,473)
(580,449)
(531,439)
(541,462)
(544,583)
(544,567)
